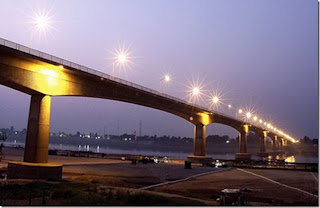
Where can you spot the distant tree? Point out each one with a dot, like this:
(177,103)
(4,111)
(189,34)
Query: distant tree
(306,140)
(253,138)
(3,138)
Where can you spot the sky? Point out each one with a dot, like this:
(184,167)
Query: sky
(261,55)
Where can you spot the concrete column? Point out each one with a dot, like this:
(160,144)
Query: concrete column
(280,140)
(263,141)
(243,142)
(274,143)
(242,154)
(199,148)
(37,141)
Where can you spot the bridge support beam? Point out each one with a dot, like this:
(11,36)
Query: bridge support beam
(35,165)
(280,147)
(263,141)
(284,142)
(243,154)
(199,146)
(37,141)
(274,144)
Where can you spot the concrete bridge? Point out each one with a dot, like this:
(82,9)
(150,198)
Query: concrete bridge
(42,75)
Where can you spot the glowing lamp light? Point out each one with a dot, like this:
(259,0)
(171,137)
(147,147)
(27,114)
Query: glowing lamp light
(248,114)
(49,72)
(229,106)
(122,58)
(167,78)
(240,111)
(255,118)
(260,121)
(196,91)
(268,125)
(215,99)
(41,22)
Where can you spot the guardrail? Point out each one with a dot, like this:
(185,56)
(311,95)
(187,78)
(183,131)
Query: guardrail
(64,62)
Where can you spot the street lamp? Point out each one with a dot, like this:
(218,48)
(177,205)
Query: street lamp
(196,91)
(41,22)
(215,100)
(122,58)
(167,78)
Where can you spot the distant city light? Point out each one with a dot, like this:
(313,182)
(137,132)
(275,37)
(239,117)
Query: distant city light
(260,120)
(248,114)
(229,106)
(240,111)
(255,118)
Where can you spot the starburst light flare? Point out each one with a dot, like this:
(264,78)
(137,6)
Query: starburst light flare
(122,59)
(41,23)
(195,91)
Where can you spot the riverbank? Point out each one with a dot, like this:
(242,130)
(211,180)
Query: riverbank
(267,187)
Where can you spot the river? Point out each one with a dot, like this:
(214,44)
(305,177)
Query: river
(172,155)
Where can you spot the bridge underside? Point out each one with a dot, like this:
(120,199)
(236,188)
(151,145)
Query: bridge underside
(43,78)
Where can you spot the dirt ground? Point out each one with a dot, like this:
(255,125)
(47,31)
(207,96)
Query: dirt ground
(263,191)
(124,174)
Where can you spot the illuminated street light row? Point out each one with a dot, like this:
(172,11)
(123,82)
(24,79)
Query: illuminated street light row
(42,21)
(195,91)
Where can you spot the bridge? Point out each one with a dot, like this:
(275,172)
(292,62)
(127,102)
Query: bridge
(42,75)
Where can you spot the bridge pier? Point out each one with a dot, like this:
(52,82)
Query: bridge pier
(263,141)
(280,147)
(284,142)
(243,154)
(37,141)
(280,144)
(274,144)
(35,163)
(199,145)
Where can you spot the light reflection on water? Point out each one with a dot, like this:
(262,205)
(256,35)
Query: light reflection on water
(172,155)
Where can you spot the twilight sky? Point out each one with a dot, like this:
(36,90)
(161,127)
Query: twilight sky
(262,55)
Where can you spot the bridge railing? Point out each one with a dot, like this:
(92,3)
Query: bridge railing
(64,62)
